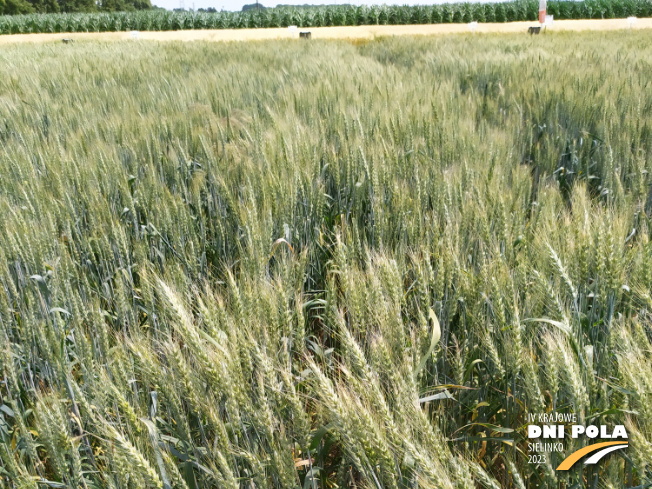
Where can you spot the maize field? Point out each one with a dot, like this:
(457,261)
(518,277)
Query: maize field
(157,20)
(324,264)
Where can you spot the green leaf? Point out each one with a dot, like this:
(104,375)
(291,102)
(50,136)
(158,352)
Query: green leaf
(565,328)
(507,441)
(612,411)
(7,410)
(59,309)
(319,434)
(436,335)
(50,483)
(490,426)
(437,397)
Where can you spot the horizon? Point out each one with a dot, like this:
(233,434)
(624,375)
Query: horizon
(236,5)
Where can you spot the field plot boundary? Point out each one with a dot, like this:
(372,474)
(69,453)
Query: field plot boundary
(338,32)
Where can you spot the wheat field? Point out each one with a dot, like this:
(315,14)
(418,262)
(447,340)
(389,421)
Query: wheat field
(324,264)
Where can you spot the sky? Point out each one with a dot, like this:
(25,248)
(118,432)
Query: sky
(237,4)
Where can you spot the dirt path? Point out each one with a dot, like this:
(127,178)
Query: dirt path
(351,32)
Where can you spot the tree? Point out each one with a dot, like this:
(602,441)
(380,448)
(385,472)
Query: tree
(13,7)
(252,6)
(45,6)
(77,5)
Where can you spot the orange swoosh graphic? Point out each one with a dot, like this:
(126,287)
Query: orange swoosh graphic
(575,456)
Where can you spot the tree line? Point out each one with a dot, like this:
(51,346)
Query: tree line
(13,7)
